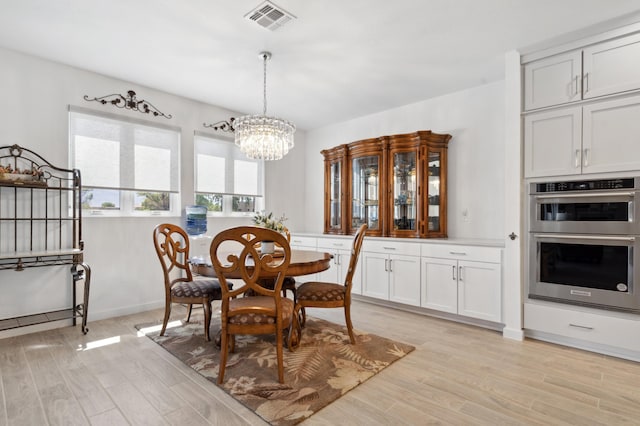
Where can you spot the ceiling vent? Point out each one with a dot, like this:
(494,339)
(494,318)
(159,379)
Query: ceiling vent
(269,16)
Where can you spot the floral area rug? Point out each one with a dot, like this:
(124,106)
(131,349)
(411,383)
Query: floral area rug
(323,368)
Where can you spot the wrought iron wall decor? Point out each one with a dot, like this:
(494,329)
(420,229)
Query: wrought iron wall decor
(129,102)
(224,125)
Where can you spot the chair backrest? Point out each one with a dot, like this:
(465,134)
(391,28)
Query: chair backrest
(172,246)
(355,254)
(235,253)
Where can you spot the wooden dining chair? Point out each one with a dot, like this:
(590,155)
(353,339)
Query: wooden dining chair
(316,294)
(234,255)
(172,246)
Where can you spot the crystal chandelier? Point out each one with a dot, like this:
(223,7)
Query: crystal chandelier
(261,137)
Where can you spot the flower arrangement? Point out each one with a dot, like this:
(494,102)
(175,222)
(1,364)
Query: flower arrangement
(8,172)
(268,221)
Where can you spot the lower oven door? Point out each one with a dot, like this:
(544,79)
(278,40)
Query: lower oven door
(590,270)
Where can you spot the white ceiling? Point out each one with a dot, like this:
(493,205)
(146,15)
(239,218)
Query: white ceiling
(338,60)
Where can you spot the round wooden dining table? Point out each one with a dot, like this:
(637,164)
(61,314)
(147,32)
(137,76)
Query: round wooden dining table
(303,262)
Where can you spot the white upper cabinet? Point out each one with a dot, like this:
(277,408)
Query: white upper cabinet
(611,135)
(553,81)
(553,142)
(611,67)
(602,69)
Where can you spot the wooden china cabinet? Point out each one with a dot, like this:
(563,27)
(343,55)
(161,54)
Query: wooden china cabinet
(396,184)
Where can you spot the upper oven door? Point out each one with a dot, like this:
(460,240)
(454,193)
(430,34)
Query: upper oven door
(600,212)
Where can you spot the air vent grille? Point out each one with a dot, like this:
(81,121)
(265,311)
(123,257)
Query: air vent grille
(269,16)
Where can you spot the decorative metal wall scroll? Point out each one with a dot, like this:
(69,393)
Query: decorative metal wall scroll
(224,125)
(129,102)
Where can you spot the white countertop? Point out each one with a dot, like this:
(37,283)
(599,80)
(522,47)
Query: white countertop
(455,241)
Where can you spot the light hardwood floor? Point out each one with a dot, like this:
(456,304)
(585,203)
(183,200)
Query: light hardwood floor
(458,374)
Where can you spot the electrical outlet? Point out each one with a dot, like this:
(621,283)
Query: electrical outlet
(465,215)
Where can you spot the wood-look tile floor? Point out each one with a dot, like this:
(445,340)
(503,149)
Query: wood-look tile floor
(458,374)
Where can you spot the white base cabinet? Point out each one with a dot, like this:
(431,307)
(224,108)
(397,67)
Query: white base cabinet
(304,243)
(617,331)
(340,248)
(391,271)
(453,284)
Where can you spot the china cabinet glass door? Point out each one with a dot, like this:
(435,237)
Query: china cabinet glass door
(404,187)
(365,191)
(434,191)
(335,196)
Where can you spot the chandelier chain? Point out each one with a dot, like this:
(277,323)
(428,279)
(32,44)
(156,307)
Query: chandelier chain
(264,91)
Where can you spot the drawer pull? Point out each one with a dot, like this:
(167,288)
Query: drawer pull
(389,248)
(458,253)
(338,244)
(583,327)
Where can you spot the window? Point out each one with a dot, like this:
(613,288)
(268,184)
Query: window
(127,166)
(226,181)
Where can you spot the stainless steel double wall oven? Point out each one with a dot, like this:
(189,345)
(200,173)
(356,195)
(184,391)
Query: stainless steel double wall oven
(584,243)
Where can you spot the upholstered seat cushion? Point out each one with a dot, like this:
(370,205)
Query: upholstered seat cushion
(197,288)
(258,302)
(320,292)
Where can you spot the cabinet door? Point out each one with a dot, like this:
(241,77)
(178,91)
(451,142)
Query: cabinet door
(552,143)
(610,135)
(366,193)
(552,81)
(375,277)
(331,275)
(439,285)
(480,290)
(403,173)
(612,67)
(404,279)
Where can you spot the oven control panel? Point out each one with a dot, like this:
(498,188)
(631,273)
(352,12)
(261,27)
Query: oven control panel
(585,185)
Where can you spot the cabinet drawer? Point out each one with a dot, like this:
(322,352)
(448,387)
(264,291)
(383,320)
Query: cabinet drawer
(391,247)
(476,253)
(335,243)
(303,241)
(606,330)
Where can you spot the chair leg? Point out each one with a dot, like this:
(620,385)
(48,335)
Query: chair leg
(189,312)
(303,320)
(347,318)
(279,334)
(224,350)
(207,319)
(167,314)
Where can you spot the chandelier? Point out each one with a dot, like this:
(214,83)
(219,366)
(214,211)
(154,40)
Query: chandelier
(261,137)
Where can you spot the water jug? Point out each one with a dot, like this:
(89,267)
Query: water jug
(196,220)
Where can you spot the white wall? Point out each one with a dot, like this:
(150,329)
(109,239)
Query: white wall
(126,272)
(475,119)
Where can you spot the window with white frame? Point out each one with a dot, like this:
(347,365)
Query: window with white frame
(226,181)
(127,166)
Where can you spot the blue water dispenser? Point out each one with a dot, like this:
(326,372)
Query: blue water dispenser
(196,220)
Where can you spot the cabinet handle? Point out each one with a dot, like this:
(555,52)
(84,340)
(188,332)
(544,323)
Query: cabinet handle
(338,244)
(459,273)
(586,157)
(390,265)
(458,253)
(386,268)
(585,83)
(577,159)
(575,85)
(389,248)
(453,273)
(583,327)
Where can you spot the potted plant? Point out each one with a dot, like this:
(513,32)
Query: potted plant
(268,221)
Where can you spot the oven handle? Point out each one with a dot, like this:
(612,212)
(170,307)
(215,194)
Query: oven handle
(584,237)
(583,195)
